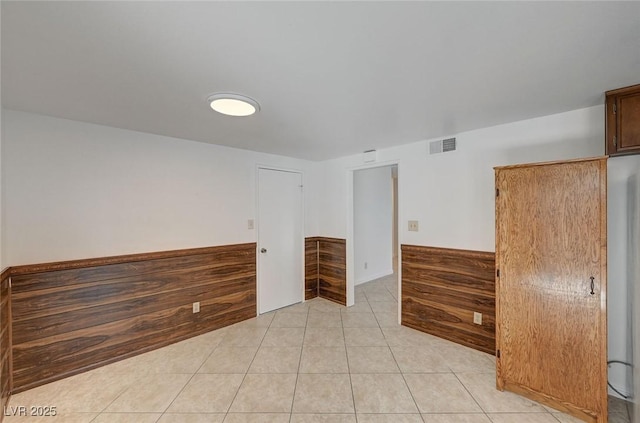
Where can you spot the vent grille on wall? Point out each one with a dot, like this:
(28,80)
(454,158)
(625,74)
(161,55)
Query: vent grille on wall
(442,146)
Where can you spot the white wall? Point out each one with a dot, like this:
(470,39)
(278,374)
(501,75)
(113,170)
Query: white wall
(634,280)
(620,275)
(75,190)
(373,215)
(451,194)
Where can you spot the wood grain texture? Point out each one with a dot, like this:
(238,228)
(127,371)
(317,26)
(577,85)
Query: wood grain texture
(332,269)
(310,268)
(326,268)
(442,288)
(5,340)
(70,317)
(623,121)
(550,241)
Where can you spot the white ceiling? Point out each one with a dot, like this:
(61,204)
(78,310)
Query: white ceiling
(332,78)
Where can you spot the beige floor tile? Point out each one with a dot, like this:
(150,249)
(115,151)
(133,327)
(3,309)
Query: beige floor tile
(371,360)
(322,319)
(359,320)
(265,393)
(364,337)
(387,320)
(324,360)
(455,418)
(192,418)
(565,418)
(150,393)
(440,393)
(276,360)
(616,405)
(320,304)
(229,360)
(324,337)
(382,393)
(483,388)
(87,392)
(261,321)
(522,418)
(360,297)
(243,337)
(419,360)
(283,337)
(183,357)
(618,418)
(382,296)
(384,306)
(321,393)
(127,418)
(207,393)
(12,416)
(389,418)
(323,418)
(402,336)
(463,359)
(257,418)
(361,306)
(288,319)
(298,308)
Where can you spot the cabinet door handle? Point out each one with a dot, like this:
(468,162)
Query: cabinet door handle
(592,285)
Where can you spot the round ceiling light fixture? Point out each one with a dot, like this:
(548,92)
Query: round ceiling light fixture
(233,104)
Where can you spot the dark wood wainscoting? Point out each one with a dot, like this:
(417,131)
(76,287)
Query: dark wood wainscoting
(330,262)
(310,268)
(69,317)
(5,339)
(442,288)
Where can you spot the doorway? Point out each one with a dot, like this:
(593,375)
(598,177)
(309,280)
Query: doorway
(373,223)
(280,239)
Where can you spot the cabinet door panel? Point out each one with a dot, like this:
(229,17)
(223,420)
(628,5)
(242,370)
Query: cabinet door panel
(549,246)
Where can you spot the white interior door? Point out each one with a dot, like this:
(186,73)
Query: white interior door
(280,239)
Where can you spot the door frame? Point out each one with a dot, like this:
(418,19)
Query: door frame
(351,274)
(257,226)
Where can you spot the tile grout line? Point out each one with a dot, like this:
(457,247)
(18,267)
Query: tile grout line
(226,413)
(344,338)
(195,373)
(295,386)
(402,374)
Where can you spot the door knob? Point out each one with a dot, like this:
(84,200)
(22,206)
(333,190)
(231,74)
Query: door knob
(263,250)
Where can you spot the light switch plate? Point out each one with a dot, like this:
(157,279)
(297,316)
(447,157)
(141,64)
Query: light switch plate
(413,226)
(477,318)
(250,224)
(196,307)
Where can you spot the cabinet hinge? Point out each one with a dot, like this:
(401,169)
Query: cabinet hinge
(497,192)
(498,353)
(615,141)
(498,272)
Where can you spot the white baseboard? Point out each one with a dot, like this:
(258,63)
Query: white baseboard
(370,278)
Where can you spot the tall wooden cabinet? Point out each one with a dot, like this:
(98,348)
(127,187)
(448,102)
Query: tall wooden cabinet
(551,325)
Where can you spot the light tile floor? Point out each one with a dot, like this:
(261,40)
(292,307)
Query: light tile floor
(311,362)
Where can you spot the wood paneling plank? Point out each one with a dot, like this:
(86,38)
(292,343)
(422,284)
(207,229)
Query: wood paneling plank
(74,316)
(442,288)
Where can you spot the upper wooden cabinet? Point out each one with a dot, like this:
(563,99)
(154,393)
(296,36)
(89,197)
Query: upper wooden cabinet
(623,121)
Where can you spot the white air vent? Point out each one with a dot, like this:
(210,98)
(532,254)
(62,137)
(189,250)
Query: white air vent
(442,146)
(370,156)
